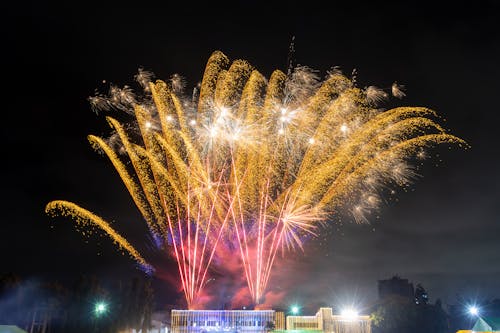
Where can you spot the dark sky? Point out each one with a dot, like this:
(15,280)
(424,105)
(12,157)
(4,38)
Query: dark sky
(444,233)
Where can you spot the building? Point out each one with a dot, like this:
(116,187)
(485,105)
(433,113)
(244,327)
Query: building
(230,321)
(395,286)
(258,321)
(325,321)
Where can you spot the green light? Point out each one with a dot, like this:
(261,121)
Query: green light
(100,308)
(295,309)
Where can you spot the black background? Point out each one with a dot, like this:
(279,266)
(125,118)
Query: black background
(443,233)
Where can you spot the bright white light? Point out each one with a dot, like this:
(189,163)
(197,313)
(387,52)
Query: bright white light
(223,111)
(473,310)
(192,122)
(281,131)
(344,128)
(295,309)
(349,314)
(311,140)
(213,132)
(283,110)
(148,124)
(284,119)
(170,118)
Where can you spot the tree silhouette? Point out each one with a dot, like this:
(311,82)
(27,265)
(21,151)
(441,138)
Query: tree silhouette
(402,314)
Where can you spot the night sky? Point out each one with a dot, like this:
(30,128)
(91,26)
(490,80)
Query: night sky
(443,233)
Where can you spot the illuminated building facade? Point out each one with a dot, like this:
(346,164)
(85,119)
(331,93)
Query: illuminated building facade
(326,322)
(231,321)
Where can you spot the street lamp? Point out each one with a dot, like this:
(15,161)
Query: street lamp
(295,309)
(473,310)
(100,308)
(349,314)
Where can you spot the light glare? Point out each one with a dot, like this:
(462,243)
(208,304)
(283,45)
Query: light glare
(100,308)
(349,314)
(473,310)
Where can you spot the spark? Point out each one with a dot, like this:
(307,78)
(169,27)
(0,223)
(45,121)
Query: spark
(375,95)
(422,155)
(144,77)
(397,90)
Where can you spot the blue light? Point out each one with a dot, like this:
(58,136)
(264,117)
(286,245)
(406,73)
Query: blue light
(473,310)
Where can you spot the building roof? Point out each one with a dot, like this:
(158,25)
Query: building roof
(487,324)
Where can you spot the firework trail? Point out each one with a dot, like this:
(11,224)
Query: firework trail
(255,162)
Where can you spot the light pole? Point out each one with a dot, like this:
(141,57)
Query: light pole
(474,310)
(100,310)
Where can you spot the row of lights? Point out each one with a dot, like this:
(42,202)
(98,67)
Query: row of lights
(348,314)
(351,314)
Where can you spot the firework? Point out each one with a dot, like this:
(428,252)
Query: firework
(255,162)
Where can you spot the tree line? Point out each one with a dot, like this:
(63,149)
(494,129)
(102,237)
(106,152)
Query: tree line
(51,307)
(395,313)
